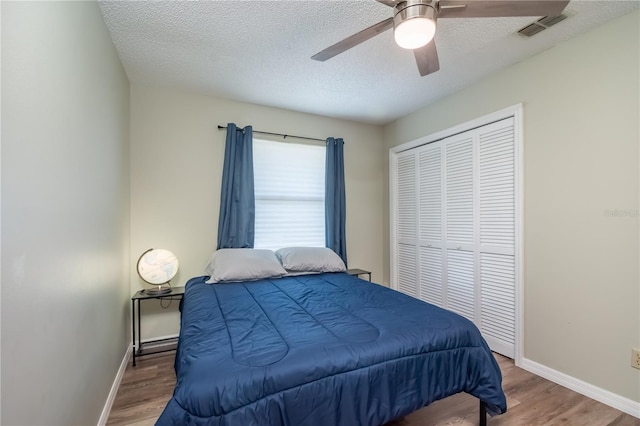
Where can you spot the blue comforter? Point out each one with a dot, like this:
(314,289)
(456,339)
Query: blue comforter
(320,350)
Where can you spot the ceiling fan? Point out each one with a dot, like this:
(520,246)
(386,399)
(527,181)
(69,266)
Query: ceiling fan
(414,23)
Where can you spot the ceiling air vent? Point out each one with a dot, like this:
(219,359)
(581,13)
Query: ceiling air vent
(541,25)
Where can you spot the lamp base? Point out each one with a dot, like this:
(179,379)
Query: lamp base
(158,290)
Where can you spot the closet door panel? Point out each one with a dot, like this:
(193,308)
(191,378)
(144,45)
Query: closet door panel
(430,195)
(407,261)
(407,269)
(496,194)
(407,221)
(497,272)
(459,191)
(431,279)
(497,187)
(461,283)
(430,224)
(459,225)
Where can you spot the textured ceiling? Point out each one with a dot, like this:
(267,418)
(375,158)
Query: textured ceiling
(259,52)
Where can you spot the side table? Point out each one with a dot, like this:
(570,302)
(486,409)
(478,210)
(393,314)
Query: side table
(175,294)
(358,272)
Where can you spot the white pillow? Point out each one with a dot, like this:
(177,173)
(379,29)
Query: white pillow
(240,264)
(310,259)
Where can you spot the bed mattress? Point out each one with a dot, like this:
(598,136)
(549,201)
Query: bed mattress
(327,349)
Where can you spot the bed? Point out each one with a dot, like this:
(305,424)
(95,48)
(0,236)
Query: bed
(321,349)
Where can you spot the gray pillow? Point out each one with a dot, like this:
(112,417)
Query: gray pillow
(310,259)
(230,265)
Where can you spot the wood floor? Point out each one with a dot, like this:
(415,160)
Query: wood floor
(532,400)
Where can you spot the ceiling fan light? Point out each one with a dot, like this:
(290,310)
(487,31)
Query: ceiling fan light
(414,33)
(414,23)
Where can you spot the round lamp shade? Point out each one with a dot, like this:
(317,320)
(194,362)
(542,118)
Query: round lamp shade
(414,33)
(157,266)
(414,23)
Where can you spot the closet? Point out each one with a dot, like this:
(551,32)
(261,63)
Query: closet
(455,226)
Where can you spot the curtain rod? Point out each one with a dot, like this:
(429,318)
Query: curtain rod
(280,134)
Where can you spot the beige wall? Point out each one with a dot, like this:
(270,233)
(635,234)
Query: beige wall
(581,137)
(65,209)
(176,170)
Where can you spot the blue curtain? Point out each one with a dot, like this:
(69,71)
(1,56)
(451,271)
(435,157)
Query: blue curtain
(236,224)
(334,199)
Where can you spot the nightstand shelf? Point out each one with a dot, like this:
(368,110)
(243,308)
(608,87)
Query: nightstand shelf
(176,293)
(358,272)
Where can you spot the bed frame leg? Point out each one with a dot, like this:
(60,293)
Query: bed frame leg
(483,414)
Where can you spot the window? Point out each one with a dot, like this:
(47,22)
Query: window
(289,193)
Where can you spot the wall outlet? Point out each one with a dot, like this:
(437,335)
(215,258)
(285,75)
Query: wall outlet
(635,358)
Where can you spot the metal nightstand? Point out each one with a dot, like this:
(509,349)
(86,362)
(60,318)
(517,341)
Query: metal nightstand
(175,294)
(358,272)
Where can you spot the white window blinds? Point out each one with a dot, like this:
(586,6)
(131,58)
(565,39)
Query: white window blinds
(289,192)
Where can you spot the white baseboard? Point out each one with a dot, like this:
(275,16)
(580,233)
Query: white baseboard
(114,388)
(587,389)
(151,339)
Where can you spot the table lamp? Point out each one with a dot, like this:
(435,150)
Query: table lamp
(157,267)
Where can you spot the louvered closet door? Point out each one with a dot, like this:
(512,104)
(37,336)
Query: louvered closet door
(406,225)
(496,193)
(430,244)
(459,225)
(456,228)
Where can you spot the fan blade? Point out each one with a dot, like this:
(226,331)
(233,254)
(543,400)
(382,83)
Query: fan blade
(390,3)
(427,58)
(354,40)
(499,8)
